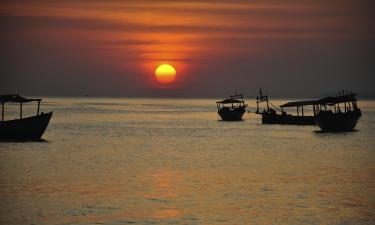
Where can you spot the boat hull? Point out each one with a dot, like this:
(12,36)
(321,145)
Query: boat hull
(26,128)
(337,122)
(268,118)
(228,114)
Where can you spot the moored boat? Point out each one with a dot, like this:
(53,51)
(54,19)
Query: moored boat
(337,119)
(28,128)
(232,109)
(277,115)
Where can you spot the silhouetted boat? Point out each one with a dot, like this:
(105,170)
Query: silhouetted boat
(271,116)
(232,109)
(338,119)
(23,128)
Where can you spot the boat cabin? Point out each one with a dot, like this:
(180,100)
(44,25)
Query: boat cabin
(235,101)
(16,99)
(299,106)
(348,103)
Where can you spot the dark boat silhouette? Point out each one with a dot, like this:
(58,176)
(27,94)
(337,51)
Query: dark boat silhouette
(29,128)
(277,115)
(337,119)
(232,109)
(327,119)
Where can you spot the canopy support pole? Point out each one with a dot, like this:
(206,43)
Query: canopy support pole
(37,113)
(2,112)
(21,110)
(314,110)
(302,110)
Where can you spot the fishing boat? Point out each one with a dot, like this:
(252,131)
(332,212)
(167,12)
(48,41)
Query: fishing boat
(27,128)
(277,115)
(232,109)
(333,118)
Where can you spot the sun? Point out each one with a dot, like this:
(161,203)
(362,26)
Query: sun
(165,73)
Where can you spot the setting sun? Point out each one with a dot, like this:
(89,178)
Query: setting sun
(165,73)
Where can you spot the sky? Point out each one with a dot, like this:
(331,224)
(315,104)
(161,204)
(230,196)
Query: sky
(291,48)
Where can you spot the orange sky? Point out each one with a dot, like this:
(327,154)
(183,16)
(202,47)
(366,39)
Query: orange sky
(206,41)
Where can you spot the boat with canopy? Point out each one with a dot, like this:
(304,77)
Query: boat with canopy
(277,115)
(23,128)
(232,109)
(333,118)
(327,113)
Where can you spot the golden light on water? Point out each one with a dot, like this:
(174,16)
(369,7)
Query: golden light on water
(165,73)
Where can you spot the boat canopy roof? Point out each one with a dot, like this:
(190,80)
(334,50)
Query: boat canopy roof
(299,103)
(17,98)
(323,101)
(229,101)
(339,99)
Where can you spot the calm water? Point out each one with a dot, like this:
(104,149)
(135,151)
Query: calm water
(170,161)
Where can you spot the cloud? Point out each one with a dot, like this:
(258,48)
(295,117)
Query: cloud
(93,24)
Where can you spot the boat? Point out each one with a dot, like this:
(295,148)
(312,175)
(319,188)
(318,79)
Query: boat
(336,119)
(232,109)
(28,128)
(277,115)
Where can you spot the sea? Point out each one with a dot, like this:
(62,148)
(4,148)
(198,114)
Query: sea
(173,161)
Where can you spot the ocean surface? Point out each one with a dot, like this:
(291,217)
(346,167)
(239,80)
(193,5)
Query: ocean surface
(171,161)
